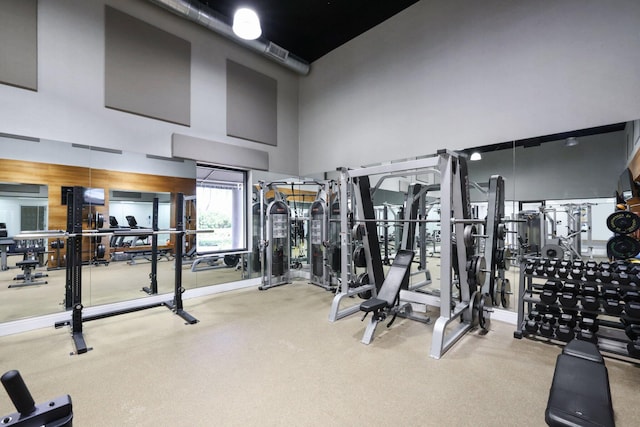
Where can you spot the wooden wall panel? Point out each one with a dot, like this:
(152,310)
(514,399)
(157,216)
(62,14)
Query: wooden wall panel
(57,176)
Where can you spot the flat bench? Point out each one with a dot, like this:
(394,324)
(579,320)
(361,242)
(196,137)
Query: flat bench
(28,278)
(580,393)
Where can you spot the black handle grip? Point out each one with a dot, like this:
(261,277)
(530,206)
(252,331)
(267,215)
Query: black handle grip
(18,392)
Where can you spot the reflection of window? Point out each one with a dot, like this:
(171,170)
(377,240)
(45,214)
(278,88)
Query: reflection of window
(220,206)
(32,218)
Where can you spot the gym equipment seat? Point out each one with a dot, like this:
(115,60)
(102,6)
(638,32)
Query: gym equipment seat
(580,393)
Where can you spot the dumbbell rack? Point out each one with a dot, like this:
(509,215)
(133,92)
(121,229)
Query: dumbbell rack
(597,302)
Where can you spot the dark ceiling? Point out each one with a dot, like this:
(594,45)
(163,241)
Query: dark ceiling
(310,29)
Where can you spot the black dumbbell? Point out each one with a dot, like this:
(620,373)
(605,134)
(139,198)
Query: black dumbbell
(590,303)
(631,295)
(550,271)
(546,330)
(540,270)
(620,265)
(578,263)
(576,273)
(587,335)
(632,308)
(590,275)
(623,278)
(591,265)
(567,319)
(590,290)
(610,292)
(565,333)
(569,295)
(529,268)
(566,264)
(634,348)
(531,327)
(535,315)
(605,276)
(562,272)
(604,266)
(612,306)
(589,324)
(632,331)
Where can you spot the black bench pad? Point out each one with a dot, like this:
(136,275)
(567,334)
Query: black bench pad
(373,304)
(580,394)
(28,263)
(583,349)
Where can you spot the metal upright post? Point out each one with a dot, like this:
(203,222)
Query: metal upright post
(74,266)
(176,306)
(153,276)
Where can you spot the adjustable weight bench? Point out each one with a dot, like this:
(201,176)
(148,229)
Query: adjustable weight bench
(388,294)
(580,393)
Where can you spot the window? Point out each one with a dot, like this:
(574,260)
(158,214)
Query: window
(221,196)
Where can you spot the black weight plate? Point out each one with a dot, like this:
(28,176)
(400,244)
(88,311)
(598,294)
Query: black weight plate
(623,247)
(623,222)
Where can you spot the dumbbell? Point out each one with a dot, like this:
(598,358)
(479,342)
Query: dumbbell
(589,324)
(634,348)
(591,265)
(541,270)
(605,276)
(567,319)
(565,333)
(566,264)
(562,272)
(529,268)
(587,335)
(576,273)
(578,264)
(604,266)
(531,327)
(535,315)
(613,306)
(633,331)
(547,327)
(620,265)
(550,291)
(610,292)
(591,275)
(623,278)
(632,308)
(569,295)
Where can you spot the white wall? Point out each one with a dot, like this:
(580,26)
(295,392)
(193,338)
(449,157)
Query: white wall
(69,104)
(458,74)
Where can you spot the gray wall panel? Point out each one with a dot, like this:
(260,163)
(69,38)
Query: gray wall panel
(19,43)
(218,153)
(147,70)
(252,101)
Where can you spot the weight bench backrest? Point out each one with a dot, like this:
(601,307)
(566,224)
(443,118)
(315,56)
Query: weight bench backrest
(390,288)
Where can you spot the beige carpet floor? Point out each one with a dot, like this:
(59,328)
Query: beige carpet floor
(271,358)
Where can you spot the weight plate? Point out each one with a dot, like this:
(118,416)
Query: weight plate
(496,291)
(502,231)
(506,258)
(473,308)
(481,266)
(623,222)
(469,236)
(505,292)
(484,320)
(623,247)
(363,279)
(552,251)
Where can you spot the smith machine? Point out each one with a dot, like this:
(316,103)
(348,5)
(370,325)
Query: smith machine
(73,285)
(465,296)
(277,231)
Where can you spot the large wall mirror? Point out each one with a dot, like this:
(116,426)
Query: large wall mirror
(565,174)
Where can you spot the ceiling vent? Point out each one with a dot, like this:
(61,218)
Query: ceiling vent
(277,52)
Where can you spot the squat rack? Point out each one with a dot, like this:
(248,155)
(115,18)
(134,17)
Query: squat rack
(456,315)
